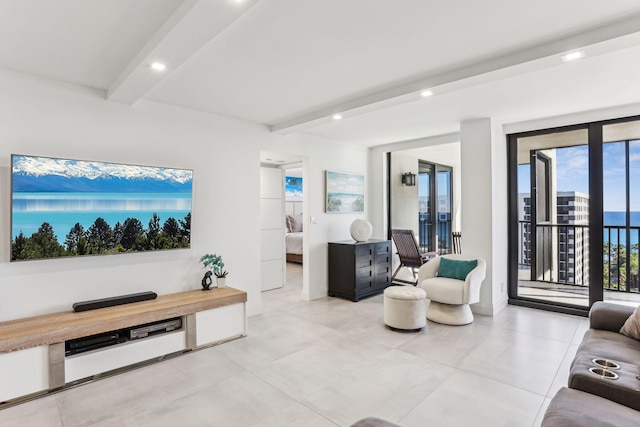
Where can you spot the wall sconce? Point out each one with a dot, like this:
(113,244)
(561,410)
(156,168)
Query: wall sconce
(409,179)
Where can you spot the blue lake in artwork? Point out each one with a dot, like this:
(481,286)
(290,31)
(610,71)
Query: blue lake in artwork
(63,210)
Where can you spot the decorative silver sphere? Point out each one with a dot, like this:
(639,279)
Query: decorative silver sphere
(361,230)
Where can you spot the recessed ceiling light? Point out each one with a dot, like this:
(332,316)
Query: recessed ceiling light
(426,93)
(573,56)
(336,117)
(158,66)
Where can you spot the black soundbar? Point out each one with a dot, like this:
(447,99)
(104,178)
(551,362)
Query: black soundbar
(110,302)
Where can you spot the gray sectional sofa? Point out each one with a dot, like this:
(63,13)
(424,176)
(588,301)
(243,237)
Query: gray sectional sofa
(592,400)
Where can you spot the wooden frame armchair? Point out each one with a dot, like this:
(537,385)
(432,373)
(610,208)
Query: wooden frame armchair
(409,253)
(456,238)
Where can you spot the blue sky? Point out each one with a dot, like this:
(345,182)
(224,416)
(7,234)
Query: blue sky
(44,174)
(572,165)
(39,166)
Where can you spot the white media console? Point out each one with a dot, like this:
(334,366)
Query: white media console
(32,350)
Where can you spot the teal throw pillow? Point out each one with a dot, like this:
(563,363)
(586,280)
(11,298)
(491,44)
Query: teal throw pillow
(456,269)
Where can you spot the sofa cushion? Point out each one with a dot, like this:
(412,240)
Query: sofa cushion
(574,408)
(611,345)
(456,269)
(631,327)
(608,316)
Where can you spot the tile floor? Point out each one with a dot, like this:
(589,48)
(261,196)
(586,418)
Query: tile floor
(331,362)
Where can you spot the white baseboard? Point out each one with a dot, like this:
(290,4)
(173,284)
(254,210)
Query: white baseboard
(489,310)
(315,295)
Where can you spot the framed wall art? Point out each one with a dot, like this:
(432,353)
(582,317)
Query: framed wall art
(345,192)
(63,207)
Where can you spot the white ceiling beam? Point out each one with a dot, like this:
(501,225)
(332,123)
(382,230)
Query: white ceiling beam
(427,141)
(192,26)
(609,37)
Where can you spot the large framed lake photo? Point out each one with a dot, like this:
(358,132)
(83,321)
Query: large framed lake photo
(345,192)
(63,207)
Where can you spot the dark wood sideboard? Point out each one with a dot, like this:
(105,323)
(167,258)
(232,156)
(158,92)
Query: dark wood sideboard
(359,269)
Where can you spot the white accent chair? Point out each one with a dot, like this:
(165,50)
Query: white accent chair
(450,298)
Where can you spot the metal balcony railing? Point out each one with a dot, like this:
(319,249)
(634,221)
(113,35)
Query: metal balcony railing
(562,255)
(443,233)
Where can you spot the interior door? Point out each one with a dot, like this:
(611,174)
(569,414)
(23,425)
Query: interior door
(272,234)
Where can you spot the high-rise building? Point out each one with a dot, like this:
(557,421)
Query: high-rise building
(573,237)
(572,219)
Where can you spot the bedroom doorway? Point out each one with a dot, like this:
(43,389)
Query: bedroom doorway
(294,224)
(283,231)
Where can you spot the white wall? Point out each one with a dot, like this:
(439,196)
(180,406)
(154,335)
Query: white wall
(484,191)
(48,118)
(404,199)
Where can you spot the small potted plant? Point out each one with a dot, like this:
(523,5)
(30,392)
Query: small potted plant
(215,265)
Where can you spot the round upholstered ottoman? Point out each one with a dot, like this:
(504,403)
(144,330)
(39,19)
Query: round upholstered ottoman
(405,307)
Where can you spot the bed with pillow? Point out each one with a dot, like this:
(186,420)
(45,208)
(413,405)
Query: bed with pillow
(293,239)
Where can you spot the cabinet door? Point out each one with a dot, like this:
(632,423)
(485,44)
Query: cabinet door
(24,372)
(220,324)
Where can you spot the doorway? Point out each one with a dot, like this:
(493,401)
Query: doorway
(575,215)
(278,214)
(294,224)
(435,201)
(431,208)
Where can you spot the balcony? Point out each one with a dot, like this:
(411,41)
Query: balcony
(562,268)
(443,234)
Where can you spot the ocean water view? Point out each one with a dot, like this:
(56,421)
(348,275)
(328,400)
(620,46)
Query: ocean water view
(63,210)
(614,235)
(619,218)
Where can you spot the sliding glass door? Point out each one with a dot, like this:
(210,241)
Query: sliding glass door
(575,215)
(444,219)
(434,202)
(621,201)
(426,206)
(552,226)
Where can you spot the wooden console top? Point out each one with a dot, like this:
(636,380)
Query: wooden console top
(53,328)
